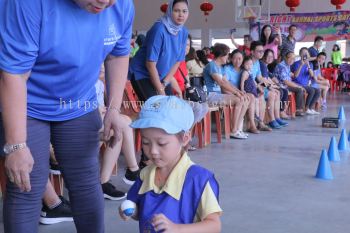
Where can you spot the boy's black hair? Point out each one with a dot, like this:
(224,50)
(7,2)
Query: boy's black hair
(318,38)
(322,54)
(255,44)
(292,25)
(287,54)
(303,48)
(248,37)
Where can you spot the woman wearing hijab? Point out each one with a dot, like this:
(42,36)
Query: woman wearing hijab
(153,67)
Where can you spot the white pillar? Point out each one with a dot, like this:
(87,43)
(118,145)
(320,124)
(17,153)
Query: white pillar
(328,50)
(206,37)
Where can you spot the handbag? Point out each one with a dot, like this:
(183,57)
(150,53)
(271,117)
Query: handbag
(195,94)
(197,81)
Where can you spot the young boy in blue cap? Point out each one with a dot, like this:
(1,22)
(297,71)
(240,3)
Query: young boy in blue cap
(173,194)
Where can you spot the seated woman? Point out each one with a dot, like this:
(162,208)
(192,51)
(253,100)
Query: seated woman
(217,84)
(271,92)
(111,153)
(233,74)
(195,68)
(283,74)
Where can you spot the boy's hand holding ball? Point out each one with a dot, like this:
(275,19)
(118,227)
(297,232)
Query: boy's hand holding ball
(127,209)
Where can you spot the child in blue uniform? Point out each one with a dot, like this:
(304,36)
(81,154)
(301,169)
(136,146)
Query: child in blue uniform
(173,194)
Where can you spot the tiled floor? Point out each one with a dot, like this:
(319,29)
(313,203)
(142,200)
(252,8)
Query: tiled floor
(267,182)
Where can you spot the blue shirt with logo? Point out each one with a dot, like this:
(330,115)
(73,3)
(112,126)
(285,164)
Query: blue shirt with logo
(304,76)
(63,46)
(233,76)
(161,47)
(210,69)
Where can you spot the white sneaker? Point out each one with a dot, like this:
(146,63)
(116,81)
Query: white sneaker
(314,112)
(244,134)
(237,135)
(309,112)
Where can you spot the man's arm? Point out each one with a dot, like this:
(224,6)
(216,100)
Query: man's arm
(13,99)
(116,76)
(234,41)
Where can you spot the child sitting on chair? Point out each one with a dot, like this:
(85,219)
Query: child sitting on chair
(173,194)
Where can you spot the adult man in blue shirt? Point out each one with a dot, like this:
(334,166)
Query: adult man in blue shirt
(303,73)
(50,57)
(315,49)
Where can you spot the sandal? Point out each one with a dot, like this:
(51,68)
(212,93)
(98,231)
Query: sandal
(253,130)
(264,127)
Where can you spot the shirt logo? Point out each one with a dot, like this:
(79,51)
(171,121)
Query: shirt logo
(112,36)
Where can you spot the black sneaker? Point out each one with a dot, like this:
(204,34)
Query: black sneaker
(55,169)
(111,193)
(130,176)
(61,213)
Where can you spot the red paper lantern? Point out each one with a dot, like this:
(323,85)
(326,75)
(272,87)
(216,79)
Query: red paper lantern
(206,7)
(292,4)
(338,3)
(164,7)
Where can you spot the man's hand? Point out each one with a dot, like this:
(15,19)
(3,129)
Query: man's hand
(113,127)
(19,165)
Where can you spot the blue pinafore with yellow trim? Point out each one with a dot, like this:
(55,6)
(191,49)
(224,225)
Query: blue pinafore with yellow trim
(181,211)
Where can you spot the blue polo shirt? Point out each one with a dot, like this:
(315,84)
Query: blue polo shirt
(313,53)
(233,76)
(63,46)
(161,47)
(210,69)
(256,72)
(304,76)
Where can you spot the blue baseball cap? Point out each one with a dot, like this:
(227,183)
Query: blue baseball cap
(169,113)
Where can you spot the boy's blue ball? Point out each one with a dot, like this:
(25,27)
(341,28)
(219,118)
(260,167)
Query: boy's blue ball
(128,207)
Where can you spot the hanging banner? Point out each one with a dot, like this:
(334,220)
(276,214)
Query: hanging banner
(330,25)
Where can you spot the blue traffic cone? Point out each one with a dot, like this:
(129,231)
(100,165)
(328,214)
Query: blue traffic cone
(324,170)
(333,152)
(341,115)
(343,144)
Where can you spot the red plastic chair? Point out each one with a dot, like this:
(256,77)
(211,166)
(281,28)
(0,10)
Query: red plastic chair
(291,108)
(331,74)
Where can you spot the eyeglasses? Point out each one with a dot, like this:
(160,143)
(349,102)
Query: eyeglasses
(259,51)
